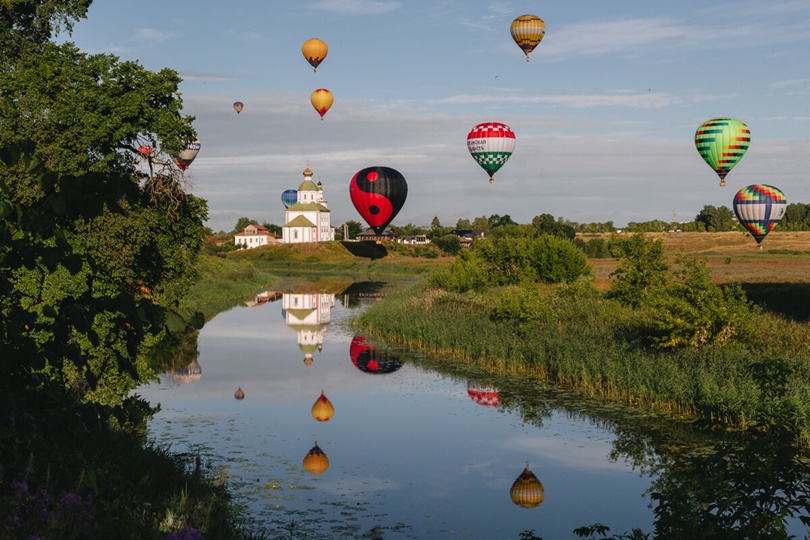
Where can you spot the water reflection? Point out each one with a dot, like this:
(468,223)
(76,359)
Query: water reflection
(189,373)
(483,394)
(369,358)
(322,409)
(316,461)
(239,394)
(309,315)
(527,491)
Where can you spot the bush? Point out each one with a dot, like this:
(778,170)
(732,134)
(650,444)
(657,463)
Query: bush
(524,306)
(466,274)
(642,269)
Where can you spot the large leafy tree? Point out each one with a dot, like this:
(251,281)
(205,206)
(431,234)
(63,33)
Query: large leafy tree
(98,241)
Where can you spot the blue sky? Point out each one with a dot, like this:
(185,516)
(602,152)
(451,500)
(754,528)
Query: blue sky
(604,113)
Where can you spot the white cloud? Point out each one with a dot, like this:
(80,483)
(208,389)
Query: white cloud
(356,7)
(153,36)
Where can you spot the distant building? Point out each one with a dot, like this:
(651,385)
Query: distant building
(309,219)
(369,234)
(417,239)
(254,236)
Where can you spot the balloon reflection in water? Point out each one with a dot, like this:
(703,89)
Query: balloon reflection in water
(527,491)
(239,394)
(191,373)
(368,359)
(483,395)
(322,409)
(316,461)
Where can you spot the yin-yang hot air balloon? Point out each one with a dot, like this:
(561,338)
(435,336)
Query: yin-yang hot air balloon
(187,155)
(369,359)
(491,144)
(378,194)
(314,50)
(289,197)
(759,207)
(722,142)
(322,100)
(238,106)
(528,31)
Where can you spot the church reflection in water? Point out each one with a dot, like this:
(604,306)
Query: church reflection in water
(309,315)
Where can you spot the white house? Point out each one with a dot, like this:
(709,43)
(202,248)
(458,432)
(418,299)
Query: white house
(309,219)
(254,236)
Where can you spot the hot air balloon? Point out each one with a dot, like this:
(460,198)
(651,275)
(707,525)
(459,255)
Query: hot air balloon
(322,409)
(759,208)
(289,197)
(314,51)
(528,31)
(368,359)
(145,151)
(527,491)
(722,142)
(316,461)
(378,194)
(187,155)
(483,395)
(491,144)
(239,394)
(238,106)
(322,100)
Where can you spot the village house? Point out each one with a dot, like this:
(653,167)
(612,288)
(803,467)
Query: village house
(254,236)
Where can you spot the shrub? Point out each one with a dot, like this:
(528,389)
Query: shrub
(522,305)
(642,268)
(466,274)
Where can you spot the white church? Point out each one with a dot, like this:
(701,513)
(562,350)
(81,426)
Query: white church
(309,219)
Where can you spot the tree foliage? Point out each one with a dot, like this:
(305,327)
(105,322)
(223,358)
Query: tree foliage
(642,268)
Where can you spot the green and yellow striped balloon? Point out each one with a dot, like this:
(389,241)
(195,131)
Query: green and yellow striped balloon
(722,142)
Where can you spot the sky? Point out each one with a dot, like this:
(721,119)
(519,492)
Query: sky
(604,113)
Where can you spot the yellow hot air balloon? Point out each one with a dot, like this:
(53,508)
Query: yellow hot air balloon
(322,409)
(322,99)
(528,31)
(314,51)
(527,491)
(316,461)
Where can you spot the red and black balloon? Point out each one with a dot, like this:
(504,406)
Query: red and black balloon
(378,194)
(368,359)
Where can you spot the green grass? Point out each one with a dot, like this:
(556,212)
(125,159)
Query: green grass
(599,347)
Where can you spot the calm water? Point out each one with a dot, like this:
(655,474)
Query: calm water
(406,452)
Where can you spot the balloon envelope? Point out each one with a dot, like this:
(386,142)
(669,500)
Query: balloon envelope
(491,144)
(322,100)
(238,106)
(314,50)
(289,197)
(378,194)
(528,31)
(187,155)
(759,207)
(722,142)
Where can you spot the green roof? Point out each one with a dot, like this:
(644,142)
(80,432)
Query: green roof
(307,185)
(300,313)
(300,221)
(308,207)
(308,349)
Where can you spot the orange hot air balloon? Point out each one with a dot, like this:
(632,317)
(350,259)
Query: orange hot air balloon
(527,491)
(322,409)
(528,31)
(314,51)
(322,100)
(238,106)
(239,394)
(316,461)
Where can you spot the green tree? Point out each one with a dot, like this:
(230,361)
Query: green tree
(243,222)
(450,244)
(463,225)
(715,219)
(355,228)
(435,223)
(642,268)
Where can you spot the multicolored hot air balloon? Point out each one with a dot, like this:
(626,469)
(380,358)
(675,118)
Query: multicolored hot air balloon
(187,155)
(322,100)
(759,208)
(289,197)
(378,194)
(314,50)
(238,106)
(491,144)
(483,395)
(528,31)
(722,142)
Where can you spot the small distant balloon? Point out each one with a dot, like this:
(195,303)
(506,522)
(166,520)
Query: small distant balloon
(528,31)
(759,207)
(238,106)
(239,394)
(378,194)
(289,197)
(187,155)
(322,409)
(722,143)
(314,50)
(491,144)
(145,151)
(322,100)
